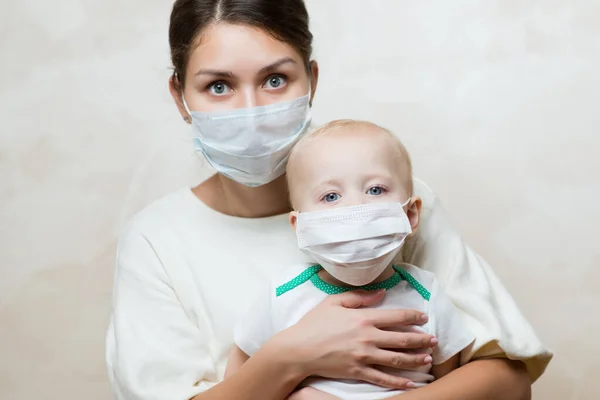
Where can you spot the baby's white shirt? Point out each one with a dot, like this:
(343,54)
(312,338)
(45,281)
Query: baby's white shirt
(286,302)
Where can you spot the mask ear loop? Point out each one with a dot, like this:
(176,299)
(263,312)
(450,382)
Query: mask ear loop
(187,109)
(406,202)
(187,118)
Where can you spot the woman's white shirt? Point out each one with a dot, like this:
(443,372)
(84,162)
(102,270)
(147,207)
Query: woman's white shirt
(185,271)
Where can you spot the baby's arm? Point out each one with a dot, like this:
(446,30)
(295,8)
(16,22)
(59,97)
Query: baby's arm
(236,359)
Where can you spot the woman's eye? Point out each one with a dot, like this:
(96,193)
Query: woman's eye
(219,88)
(376,191)
(275,81)
(331,197)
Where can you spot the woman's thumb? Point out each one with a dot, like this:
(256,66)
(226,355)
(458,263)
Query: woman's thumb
(359,298)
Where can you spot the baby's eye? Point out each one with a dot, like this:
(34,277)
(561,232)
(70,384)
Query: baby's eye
(331,197)
(376,191)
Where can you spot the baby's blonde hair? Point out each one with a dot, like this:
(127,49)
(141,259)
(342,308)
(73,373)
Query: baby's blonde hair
(341,127)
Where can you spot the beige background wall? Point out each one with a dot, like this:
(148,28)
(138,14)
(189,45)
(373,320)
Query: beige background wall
(497,100)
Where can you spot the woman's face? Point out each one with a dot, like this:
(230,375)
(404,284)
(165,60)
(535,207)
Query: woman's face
(237,66)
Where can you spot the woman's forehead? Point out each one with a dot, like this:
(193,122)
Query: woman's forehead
(239,49)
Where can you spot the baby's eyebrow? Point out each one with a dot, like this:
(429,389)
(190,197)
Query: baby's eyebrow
(320,187)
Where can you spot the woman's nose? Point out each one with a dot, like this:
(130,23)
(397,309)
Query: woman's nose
(248,98)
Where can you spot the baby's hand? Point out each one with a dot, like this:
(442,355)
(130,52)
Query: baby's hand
(309,393)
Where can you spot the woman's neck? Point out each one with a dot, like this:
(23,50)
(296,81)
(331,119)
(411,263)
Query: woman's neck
(231,198)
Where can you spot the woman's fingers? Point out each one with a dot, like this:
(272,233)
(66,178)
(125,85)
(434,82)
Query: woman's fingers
(378,318)
(376,377)
(342,339)
(396,359)
(393,318)
(402,340)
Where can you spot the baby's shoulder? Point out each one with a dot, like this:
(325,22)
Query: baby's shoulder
(291,272)
(425,278)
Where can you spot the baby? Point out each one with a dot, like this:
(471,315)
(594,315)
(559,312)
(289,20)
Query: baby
(351,190)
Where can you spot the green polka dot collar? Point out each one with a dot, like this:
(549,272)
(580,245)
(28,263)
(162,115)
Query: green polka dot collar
(312,274)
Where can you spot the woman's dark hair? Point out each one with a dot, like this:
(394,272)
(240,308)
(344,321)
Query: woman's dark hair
(285,20)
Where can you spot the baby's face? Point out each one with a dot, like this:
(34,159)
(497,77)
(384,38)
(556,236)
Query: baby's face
(346,170)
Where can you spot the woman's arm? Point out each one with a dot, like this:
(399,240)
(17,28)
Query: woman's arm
(266,375)
(155,351)
(334,340)
(310,393)
(445,368)
(493,379)
(497,379)
(236,359)
(500,329)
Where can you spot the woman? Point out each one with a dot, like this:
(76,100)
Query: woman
(244,79)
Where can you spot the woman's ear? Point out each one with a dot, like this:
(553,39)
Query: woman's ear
(293,218)
(314,79)
(177,94)
(413,212)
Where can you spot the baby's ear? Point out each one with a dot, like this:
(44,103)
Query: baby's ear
(413,212)
(293,219)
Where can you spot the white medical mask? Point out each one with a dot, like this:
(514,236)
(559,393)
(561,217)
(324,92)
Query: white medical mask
(354,244)
(251,145)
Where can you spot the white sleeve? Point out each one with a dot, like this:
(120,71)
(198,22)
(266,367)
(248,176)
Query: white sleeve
(500,328)
(256,325)
(153,350)
(448,326)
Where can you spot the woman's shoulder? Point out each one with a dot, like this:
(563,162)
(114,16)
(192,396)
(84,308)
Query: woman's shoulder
(168,218)
(139,240)
(427,195)
(162,233)
(160,213)
(425,278)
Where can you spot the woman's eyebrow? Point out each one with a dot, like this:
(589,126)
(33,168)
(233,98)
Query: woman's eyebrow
(215,72)
(228,74)
(276,65)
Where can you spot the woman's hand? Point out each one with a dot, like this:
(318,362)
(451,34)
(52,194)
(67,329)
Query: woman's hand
(309,393)
(339,340)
